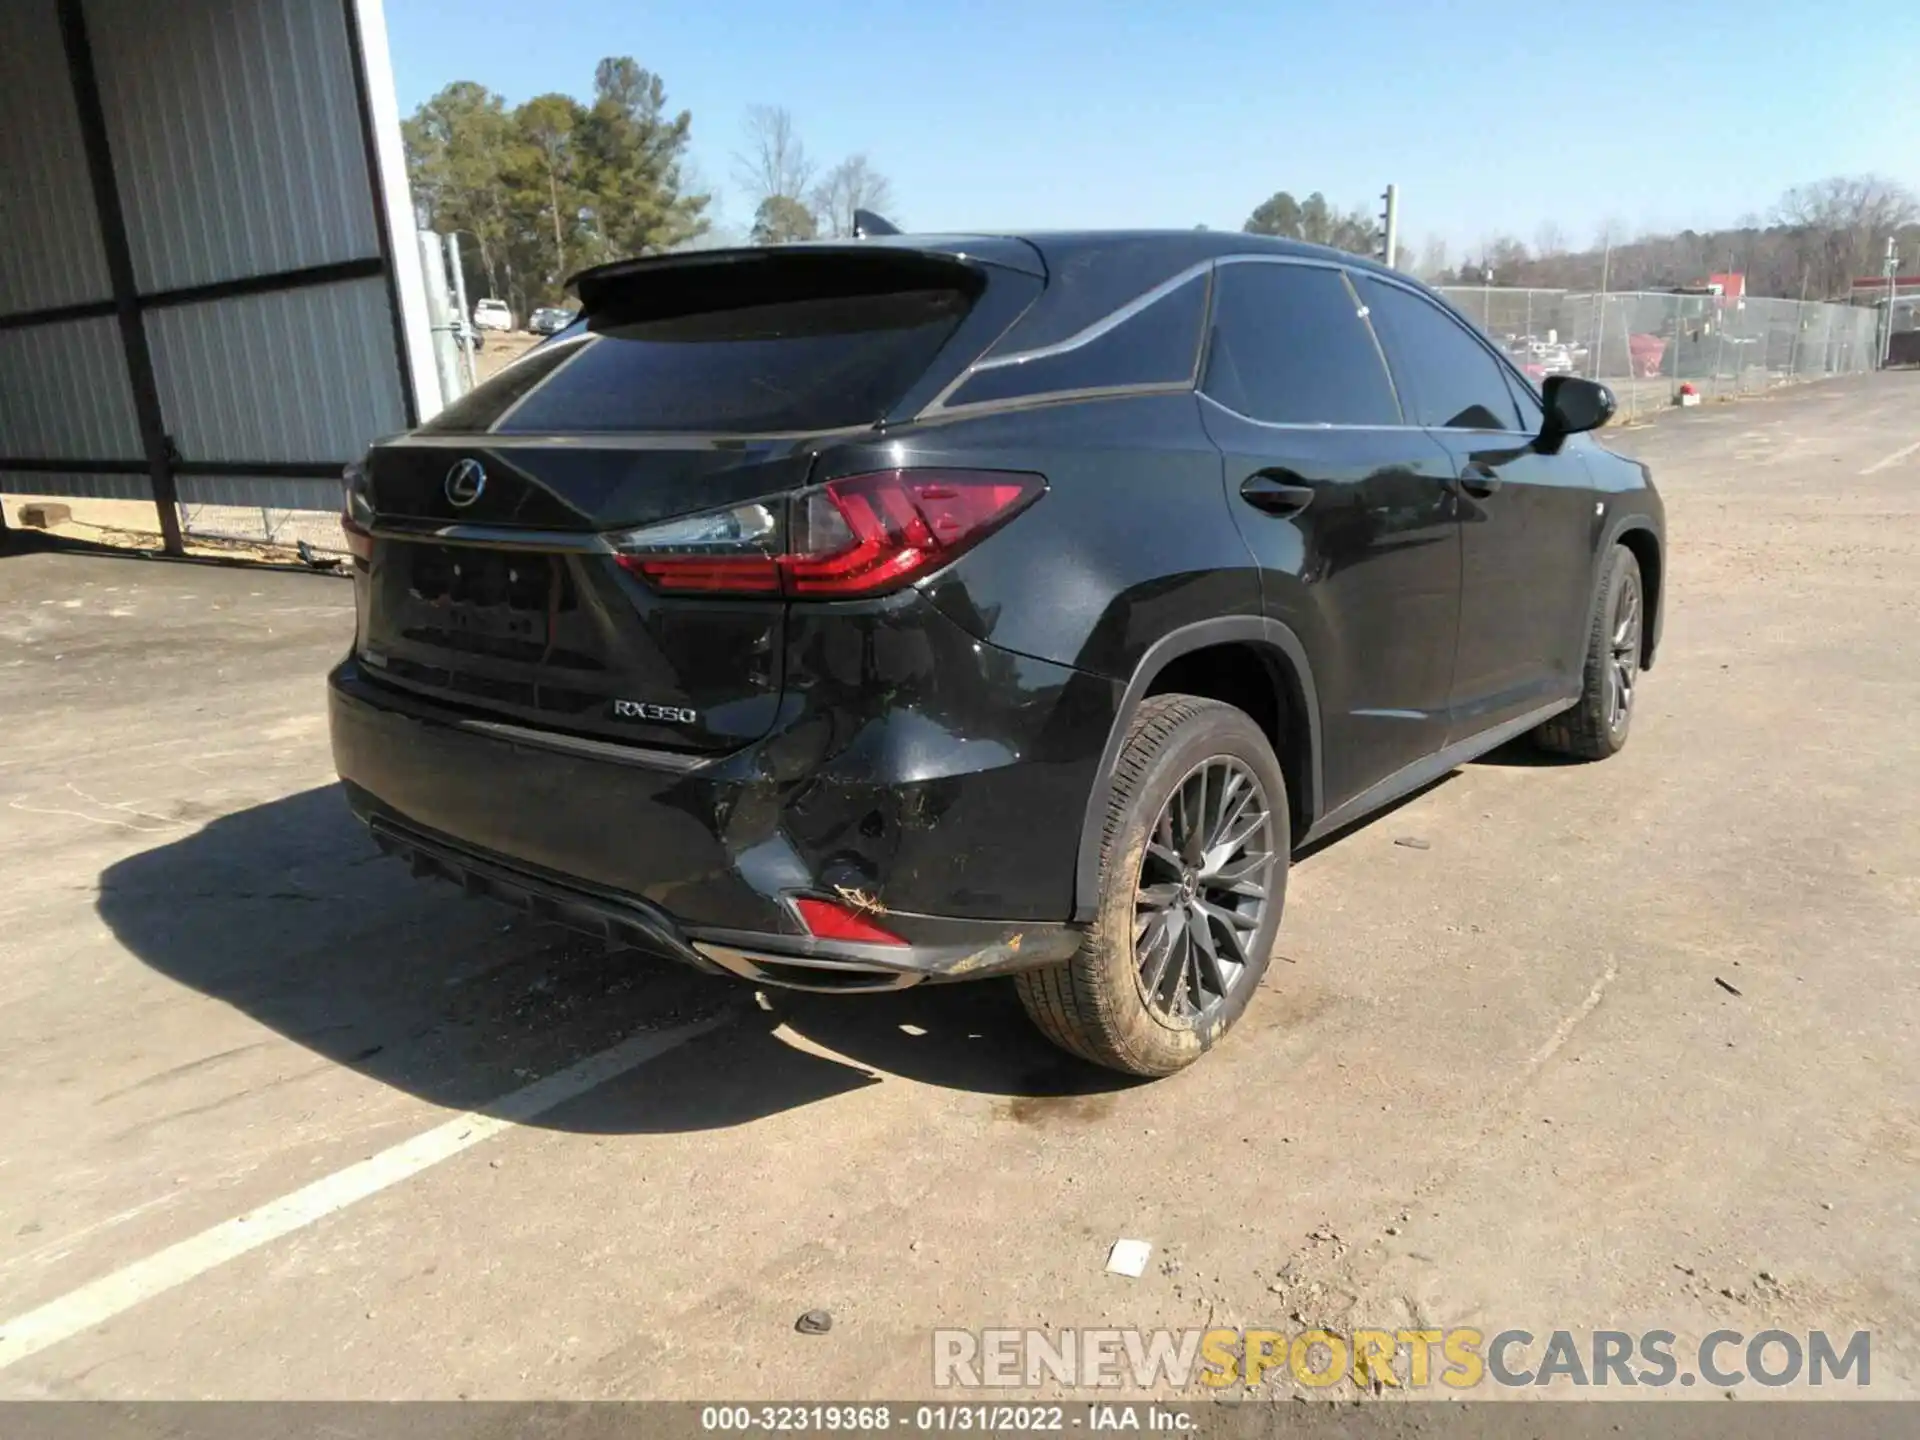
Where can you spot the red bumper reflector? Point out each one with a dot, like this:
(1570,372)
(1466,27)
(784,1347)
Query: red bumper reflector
(830,920)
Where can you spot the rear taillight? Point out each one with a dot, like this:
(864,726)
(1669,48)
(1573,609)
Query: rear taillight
(356,514)
(861,535)
(723,552)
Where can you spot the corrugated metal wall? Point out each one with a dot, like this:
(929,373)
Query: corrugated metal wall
(289,376)
(235,134)
(50,251)
(64,392)
(242,137)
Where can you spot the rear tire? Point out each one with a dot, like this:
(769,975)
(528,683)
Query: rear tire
(1193,875)
(1596,727)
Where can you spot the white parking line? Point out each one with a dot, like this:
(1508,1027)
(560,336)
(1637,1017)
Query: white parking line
(100,1300)
(1888,461)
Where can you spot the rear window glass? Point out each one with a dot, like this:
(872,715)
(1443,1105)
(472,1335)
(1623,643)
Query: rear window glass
(815,363)
(1157,346)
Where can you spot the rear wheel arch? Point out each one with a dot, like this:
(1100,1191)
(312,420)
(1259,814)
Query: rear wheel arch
(1212,658)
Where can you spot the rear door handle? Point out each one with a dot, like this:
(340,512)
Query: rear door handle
(1267,491)
(1478,480)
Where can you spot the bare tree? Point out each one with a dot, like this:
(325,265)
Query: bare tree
(1549,240)
(1433,258)
(1837,222)
(851,185)
(772,162)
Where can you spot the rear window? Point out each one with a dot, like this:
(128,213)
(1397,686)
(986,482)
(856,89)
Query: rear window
(814,362)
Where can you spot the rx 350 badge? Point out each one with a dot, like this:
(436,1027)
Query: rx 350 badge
(660,714)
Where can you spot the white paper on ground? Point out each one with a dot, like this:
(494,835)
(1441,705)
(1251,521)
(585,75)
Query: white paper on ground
(1129,1257)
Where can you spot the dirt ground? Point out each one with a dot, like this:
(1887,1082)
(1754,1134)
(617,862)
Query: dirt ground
(501,351)
(1630,1045)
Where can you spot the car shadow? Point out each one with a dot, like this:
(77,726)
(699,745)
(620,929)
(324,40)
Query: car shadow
(1371,818)
(286,912)
(1523,753)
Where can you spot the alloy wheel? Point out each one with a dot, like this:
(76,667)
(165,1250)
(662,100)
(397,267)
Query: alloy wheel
(1202,890)
(1624,660)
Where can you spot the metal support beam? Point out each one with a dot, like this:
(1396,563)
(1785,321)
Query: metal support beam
(363,103)
(126,298)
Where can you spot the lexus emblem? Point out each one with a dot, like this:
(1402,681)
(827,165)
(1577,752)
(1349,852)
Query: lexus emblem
(465,482)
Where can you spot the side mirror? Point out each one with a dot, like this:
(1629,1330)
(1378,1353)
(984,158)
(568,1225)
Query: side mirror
(1573,406)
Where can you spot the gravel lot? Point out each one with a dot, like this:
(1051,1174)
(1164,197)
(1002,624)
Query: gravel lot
(1618,1040)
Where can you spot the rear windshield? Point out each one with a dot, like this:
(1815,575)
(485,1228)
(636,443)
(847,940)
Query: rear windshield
(819,362)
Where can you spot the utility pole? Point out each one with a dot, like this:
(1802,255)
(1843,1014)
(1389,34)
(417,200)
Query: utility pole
(1893,282)
(1600,309)
(466,326)
(1387,237)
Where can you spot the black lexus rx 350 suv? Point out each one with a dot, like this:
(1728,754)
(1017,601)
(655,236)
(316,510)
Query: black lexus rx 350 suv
(845,616)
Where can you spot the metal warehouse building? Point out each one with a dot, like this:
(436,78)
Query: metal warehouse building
(210,290)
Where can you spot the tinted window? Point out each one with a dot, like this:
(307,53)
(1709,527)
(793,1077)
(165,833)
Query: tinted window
(1289,347)
(814,363)
(1446,377)
(1157,346)
(1531,413)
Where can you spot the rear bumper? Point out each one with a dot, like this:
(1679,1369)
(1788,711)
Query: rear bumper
(943,949)
(698,859)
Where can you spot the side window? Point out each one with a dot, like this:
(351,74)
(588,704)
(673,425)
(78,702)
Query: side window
(1156,346)
(1447,379)
(1289,347)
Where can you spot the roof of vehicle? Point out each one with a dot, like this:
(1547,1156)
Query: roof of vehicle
(1013,249)
(1089,273)
(1190,246)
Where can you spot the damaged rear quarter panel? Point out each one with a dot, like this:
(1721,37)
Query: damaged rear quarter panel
(928,770)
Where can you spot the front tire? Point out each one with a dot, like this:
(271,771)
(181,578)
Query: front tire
(1596,727)
(1193,876)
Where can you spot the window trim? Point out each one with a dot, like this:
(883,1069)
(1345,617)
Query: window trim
(938,409)
(1502,363)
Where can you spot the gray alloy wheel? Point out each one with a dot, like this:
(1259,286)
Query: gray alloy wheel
(1201,894)
(1624,648)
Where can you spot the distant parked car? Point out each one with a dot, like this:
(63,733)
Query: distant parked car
(493,315)
(549,320)
(1522,351)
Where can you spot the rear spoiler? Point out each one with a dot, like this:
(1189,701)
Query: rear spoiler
(931,259)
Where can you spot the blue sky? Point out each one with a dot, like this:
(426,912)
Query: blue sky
(1492,118)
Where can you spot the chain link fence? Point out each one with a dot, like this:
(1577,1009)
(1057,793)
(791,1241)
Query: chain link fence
(1646,344)
(306,521)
